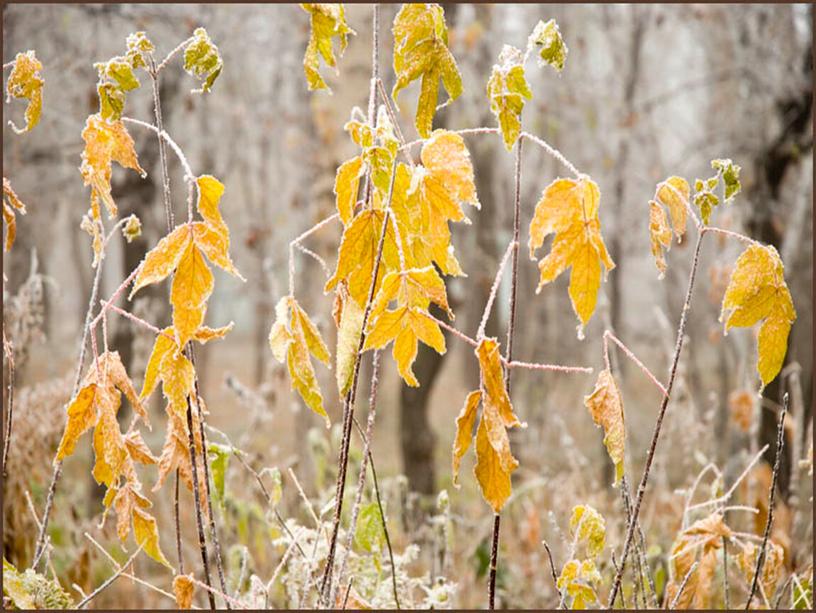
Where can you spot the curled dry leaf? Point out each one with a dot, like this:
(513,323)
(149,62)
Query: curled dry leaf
(605,405)
(26,82)
(183,589)
(11,205)
(327,21)
(671,194)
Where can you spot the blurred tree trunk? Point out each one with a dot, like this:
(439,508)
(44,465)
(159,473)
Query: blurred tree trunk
(767,224)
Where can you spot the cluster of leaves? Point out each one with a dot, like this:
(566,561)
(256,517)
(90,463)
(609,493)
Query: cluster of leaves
(327,21)
(579,576)
(756,290)
(30,590)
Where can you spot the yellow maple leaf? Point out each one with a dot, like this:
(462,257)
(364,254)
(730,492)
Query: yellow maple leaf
(327,20)
(587,526)
(494,462)
(507,89)
(464,431)
(569,209)
(105,143)
(81,418)
(447,159)
(578,578)
(416,287)
(294,337)
(405,326)
(358,253)
(493,382)
(757,292)
(606,408)
(183,588)
(191,288)
(210,191)
(25,81)
(421,52)
(11,203)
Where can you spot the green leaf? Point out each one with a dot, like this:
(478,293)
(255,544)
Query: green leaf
(203,60)
(219,463)
(370,535)
(327,21)
(730,176)
(506,90)
(551,47)
(421,52)
(139,47)
(111,101)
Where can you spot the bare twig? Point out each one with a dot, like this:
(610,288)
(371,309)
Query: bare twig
(8,350)
(681,331)
(494,290)
(609,336)
(172,54)
(110,580)
(552,569)
(780,446)
(726,594)
(676,598)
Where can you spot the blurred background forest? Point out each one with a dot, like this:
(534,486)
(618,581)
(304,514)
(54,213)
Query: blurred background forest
(647,92)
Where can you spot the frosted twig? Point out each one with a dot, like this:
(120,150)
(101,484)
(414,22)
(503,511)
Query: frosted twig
(389,108)
(552,151)
(110,579)
(780,445)
(315,257)
(172,54)
(676,598)
(188,172)
(607,336)
(463,132)
(109,302)
(137,320)
(552,569)
(493,290)
(8,350)
(305,498)
(229,599)
(296,243)
(725,497)
(740,237)
(9,64)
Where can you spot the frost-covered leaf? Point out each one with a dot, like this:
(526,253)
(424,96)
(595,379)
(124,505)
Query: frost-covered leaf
(348,339)
(606,407)
(551,47)
(772,568)
(183,589)
(705,199)
(729,172)
(26,82)
(202,60)
(589,527)
(31,590)
(507,89)
(105,143)
(139,48)
(757,292)
(369,535)
(192,285)
(578,578)
(147,535)
(673,194)
(346,185)
(421,52)
(132,229)
(326,21)
(416,287)
(11,206)
(464,431)
(405,326)
(294,337)
(569,209)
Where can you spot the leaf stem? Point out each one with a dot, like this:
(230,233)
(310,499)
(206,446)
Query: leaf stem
(110,580)
(607,336)
(681,331)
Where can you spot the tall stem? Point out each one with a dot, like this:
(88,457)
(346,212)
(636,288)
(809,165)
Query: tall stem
(511,326)
(202,544)
(348,402)
(681,331)
(8,349)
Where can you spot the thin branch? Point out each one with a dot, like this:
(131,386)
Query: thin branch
(725,574)
(780,446)
(552,569)
(552,151)
(157,112)
(202,543)
(608,335)
(740,237)
(8,350)
(494,290)
(172,54)
(681,331)
(725,497)
(188,172)
(676,598)
(296,243)
(110,579)
(389,108)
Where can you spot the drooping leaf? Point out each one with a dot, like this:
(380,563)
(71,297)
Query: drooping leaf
(25,81)
(405,326)
(219,463)
(346,185)
(551,47)
(673,194)
(447,159)
(494,462)
(606,408)
(506,90)
(348,339)
(183,589)
(757,292)
(326,20)
(589,527)
(493,382)
(163,259)
(192,285)
(81,418)
(464,431)
(116,78)
(105,143)
(421,52)
(202,60)
(147,535)
(11,205)
(416,287)
(294,337)
(569,209)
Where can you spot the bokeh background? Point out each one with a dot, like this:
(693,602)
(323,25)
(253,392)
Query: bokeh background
(647,92)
